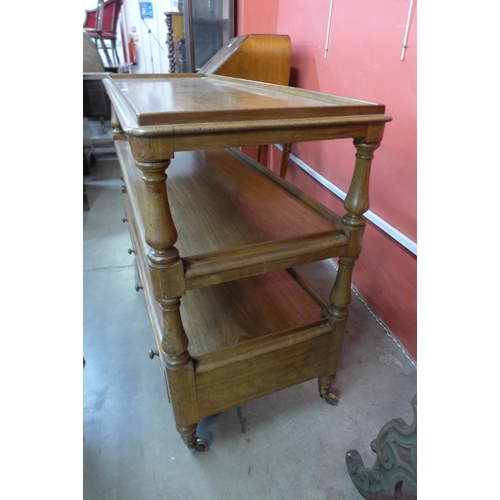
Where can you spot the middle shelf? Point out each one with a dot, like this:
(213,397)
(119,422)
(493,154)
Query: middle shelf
(234,217)
(257,313)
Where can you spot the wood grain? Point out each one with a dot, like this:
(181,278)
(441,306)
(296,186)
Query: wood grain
(214,236)
(264,58)
(220,316)
(187,98)
(250,372)
(239,222)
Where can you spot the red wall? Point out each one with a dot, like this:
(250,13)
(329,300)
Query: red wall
(364,62)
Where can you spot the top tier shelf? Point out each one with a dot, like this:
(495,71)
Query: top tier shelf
(167,100)
(232,112)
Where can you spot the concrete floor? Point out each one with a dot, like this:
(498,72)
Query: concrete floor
(289,445)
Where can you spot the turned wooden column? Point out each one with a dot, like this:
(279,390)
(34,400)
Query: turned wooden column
(356,204)
(172,20)
(167,277)
(170,42)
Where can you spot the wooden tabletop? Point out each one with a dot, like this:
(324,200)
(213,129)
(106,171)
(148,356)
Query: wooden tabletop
(185,112)
(198,98)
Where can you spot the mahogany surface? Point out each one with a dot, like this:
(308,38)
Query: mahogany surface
(214,241)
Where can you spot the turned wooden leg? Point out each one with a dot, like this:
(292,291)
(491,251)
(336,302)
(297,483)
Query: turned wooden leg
(259,153)
(356,204)
(167,277)
(287,149)
(188,435)
(324,387)
(180,374)
(337,314)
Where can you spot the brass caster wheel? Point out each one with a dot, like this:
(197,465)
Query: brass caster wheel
(199,444)
(331,398)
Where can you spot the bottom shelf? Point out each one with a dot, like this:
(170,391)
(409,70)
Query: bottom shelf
(241,311)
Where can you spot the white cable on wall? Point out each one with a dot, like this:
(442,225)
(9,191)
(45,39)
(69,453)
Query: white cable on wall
(372,217)
(328,28)
(405,40)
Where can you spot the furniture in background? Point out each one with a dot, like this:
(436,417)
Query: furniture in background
(96,103)
(175,33)
(96,106)
(263,58)
(206,27)
(396,463)
(87,156)
(101,25)
(91,17)
(232,320)
(92,62)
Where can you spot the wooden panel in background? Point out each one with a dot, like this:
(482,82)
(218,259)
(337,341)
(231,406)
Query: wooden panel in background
(264,58)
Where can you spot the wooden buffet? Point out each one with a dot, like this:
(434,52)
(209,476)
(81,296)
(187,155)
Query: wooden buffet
(217,241)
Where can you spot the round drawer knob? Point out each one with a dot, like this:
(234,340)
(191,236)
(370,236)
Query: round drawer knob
(152,353)
(138,287)
(124,219)
(131,250)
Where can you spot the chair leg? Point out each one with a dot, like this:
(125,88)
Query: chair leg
(115,52)
(287,149)
(105,50)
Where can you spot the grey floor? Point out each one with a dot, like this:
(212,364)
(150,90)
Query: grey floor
(289,445)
